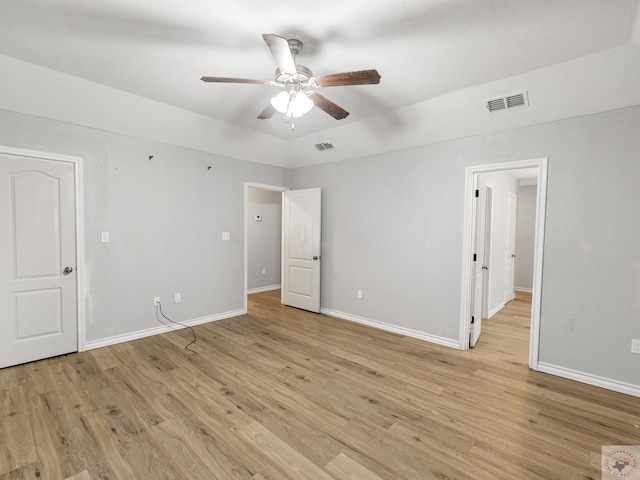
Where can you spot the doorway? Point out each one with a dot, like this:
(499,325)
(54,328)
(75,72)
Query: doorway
(470,232)
(262,230)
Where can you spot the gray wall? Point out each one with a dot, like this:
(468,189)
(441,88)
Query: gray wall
(525,241)
(165,217)
(393,225)
(263,238)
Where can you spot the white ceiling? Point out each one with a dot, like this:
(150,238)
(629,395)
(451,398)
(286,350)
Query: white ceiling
(159,49)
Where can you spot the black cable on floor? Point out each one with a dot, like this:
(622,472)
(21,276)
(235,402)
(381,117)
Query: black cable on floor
(195,337)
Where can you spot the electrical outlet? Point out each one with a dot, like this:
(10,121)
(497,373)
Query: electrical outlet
(264,271)
(359,294)
(635,346)
(156,300)
(177,298)
(226,236)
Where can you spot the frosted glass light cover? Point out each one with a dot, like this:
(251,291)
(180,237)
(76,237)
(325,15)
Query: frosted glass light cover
(294,105)
(281,101)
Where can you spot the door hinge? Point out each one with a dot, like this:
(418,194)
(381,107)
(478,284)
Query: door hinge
(473,319)
(477,193)
(475,257)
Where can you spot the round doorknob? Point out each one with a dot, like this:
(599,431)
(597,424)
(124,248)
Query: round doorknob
(67,270)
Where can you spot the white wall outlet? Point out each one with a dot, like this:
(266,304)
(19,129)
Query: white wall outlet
(177,298)
(105,237)
(264,271)
(635,346)
(226,236)
(359,294)
(156,300)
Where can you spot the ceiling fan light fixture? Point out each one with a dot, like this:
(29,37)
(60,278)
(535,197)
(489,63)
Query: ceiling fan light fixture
(292,104)
(294,100)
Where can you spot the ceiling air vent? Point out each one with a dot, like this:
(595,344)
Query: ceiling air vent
(324,146)
(507,102)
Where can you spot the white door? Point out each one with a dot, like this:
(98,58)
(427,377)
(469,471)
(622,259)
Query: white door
(38,316)
(510,251)
(486,262)
(301,215)
(477,296)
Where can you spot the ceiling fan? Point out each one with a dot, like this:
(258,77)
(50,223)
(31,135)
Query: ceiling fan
(298,83)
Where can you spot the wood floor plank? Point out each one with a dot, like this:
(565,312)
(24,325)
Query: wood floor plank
(180,449)
(281,393)
(44,439)
(291,464)
(74,448)
(20,452)
(27,472)
(84,475)
(344,467)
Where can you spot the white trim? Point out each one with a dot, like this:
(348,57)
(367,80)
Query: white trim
(446,342)
(524,290)
(127,337)
(496,310)
(465,304)
(268,288)
(538,254)
(23,152)
(589,379)
(79,226)
(247,185)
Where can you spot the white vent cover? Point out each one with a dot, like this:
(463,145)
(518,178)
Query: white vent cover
(507,102)
(324,146)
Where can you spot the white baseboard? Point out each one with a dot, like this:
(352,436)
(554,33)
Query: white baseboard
(524,289)
(127,337)
(596,381)
(447,342)
(268,288)
(496,310)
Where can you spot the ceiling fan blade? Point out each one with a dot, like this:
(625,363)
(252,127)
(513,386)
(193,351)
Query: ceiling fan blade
(362,77)
(281,52)
(328,106)
(267,112)
(233,80)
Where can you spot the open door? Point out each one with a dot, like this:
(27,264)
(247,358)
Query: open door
(301,244)
(478,264)
(510,251)
(38,315)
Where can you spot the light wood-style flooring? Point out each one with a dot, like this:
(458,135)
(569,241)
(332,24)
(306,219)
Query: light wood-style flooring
(286,394)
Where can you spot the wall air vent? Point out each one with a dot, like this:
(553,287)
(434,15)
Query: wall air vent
(507,102)
(324,146)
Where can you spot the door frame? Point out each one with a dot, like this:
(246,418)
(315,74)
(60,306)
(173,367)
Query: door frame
(541,164)
(247,186)
(77,163)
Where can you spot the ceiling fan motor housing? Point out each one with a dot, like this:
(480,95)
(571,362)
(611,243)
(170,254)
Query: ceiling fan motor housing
(302,76)
(295,46)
